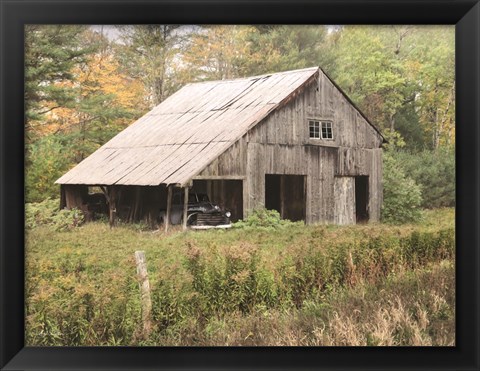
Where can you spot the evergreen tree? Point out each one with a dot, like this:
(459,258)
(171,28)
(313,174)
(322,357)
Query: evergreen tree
(51,52)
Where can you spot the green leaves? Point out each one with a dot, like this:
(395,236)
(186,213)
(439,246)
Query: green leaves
(402,197)
(46,213)
(402,77)
(46,161)
(434,171)
(149,53)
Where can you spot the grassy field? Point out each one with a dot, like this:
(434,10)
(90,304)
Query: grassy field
(286,284)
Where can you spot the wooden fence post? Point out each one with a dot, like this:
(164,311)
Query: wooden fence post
(144,284)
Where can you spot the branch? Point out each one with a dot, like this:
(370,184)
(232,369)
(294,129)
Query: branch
(48,110)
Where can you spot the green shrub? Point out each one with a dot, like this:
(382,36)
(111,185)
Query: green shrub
(402,197)
(48,213)
(434,171)
(263,219)
(46,161)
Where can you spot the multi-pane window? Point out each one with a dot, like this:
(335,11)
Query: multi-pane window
(327,130)
(314,127)
(320,129)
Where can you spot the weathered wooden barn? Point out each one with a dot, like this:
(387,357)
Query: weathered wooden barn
(291,141)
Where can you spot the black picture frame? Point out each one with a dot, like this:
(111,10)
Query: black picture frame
(465,14)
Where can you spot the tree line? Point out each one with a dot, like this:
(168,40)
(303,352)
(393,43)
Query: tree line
(83,86)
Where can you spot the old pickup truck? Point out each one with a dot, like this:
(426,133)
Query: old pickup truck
(201,212)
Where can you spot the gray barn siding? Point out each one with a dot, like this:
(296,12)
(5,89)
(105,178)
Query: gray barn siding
(288,124)
(232,162)
(280,144)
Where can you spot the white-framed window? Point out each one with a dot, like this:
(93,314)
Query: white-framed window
(314,127)
(319,129)
(327,130)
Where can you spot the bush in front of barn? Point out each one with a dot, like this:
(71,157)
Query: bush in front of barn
(48,213)
(262,218)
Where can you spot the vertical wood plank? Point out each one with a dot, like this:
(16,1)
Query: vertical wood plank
(169,207)
(344,190)
(245,198)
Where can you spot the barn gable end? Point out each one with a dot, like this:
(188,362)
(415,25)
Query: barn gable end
(281,144)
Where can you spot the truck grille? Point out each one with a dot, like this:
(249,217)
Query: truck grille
(212,219)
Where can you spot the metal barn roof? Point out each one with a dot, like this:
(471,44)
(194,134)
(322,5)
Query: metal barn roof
(178,138)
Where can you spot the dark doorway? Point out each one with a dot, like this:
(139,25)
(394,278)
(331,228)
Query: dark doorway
(361,199)
(233,198)
(286,194)
(272,193)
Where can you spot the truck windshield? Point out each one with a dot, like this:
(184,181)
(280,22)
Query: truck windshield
(193,198)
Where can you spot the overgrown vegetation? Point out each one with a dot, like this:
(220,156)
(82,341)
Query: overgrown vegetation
(434,172)
(47,213)
(261,218)
(410,308)
(231,287)
(401,195)
(415,180)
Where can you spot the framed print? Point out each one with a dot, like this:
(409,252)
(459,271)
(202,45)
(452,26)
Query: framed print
(240,185)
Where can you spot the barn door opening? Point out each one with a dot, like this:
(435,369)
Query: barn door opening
(226,193)
(361,199)
(286,194)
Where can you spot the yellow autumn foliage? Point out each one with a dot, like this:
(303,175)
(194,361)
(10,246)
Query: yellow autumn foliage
(101,75)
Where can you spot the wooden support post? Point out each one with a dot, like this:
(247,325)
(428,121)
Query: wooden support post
(282,196)
(209,189)
(138,200)
(63,197)
(185,208)
(245,197)
(169,206)
(112,206)
(144,284)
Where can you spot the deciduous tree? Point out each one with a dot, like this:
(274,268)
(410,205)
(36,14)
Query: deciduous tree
(150,54)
